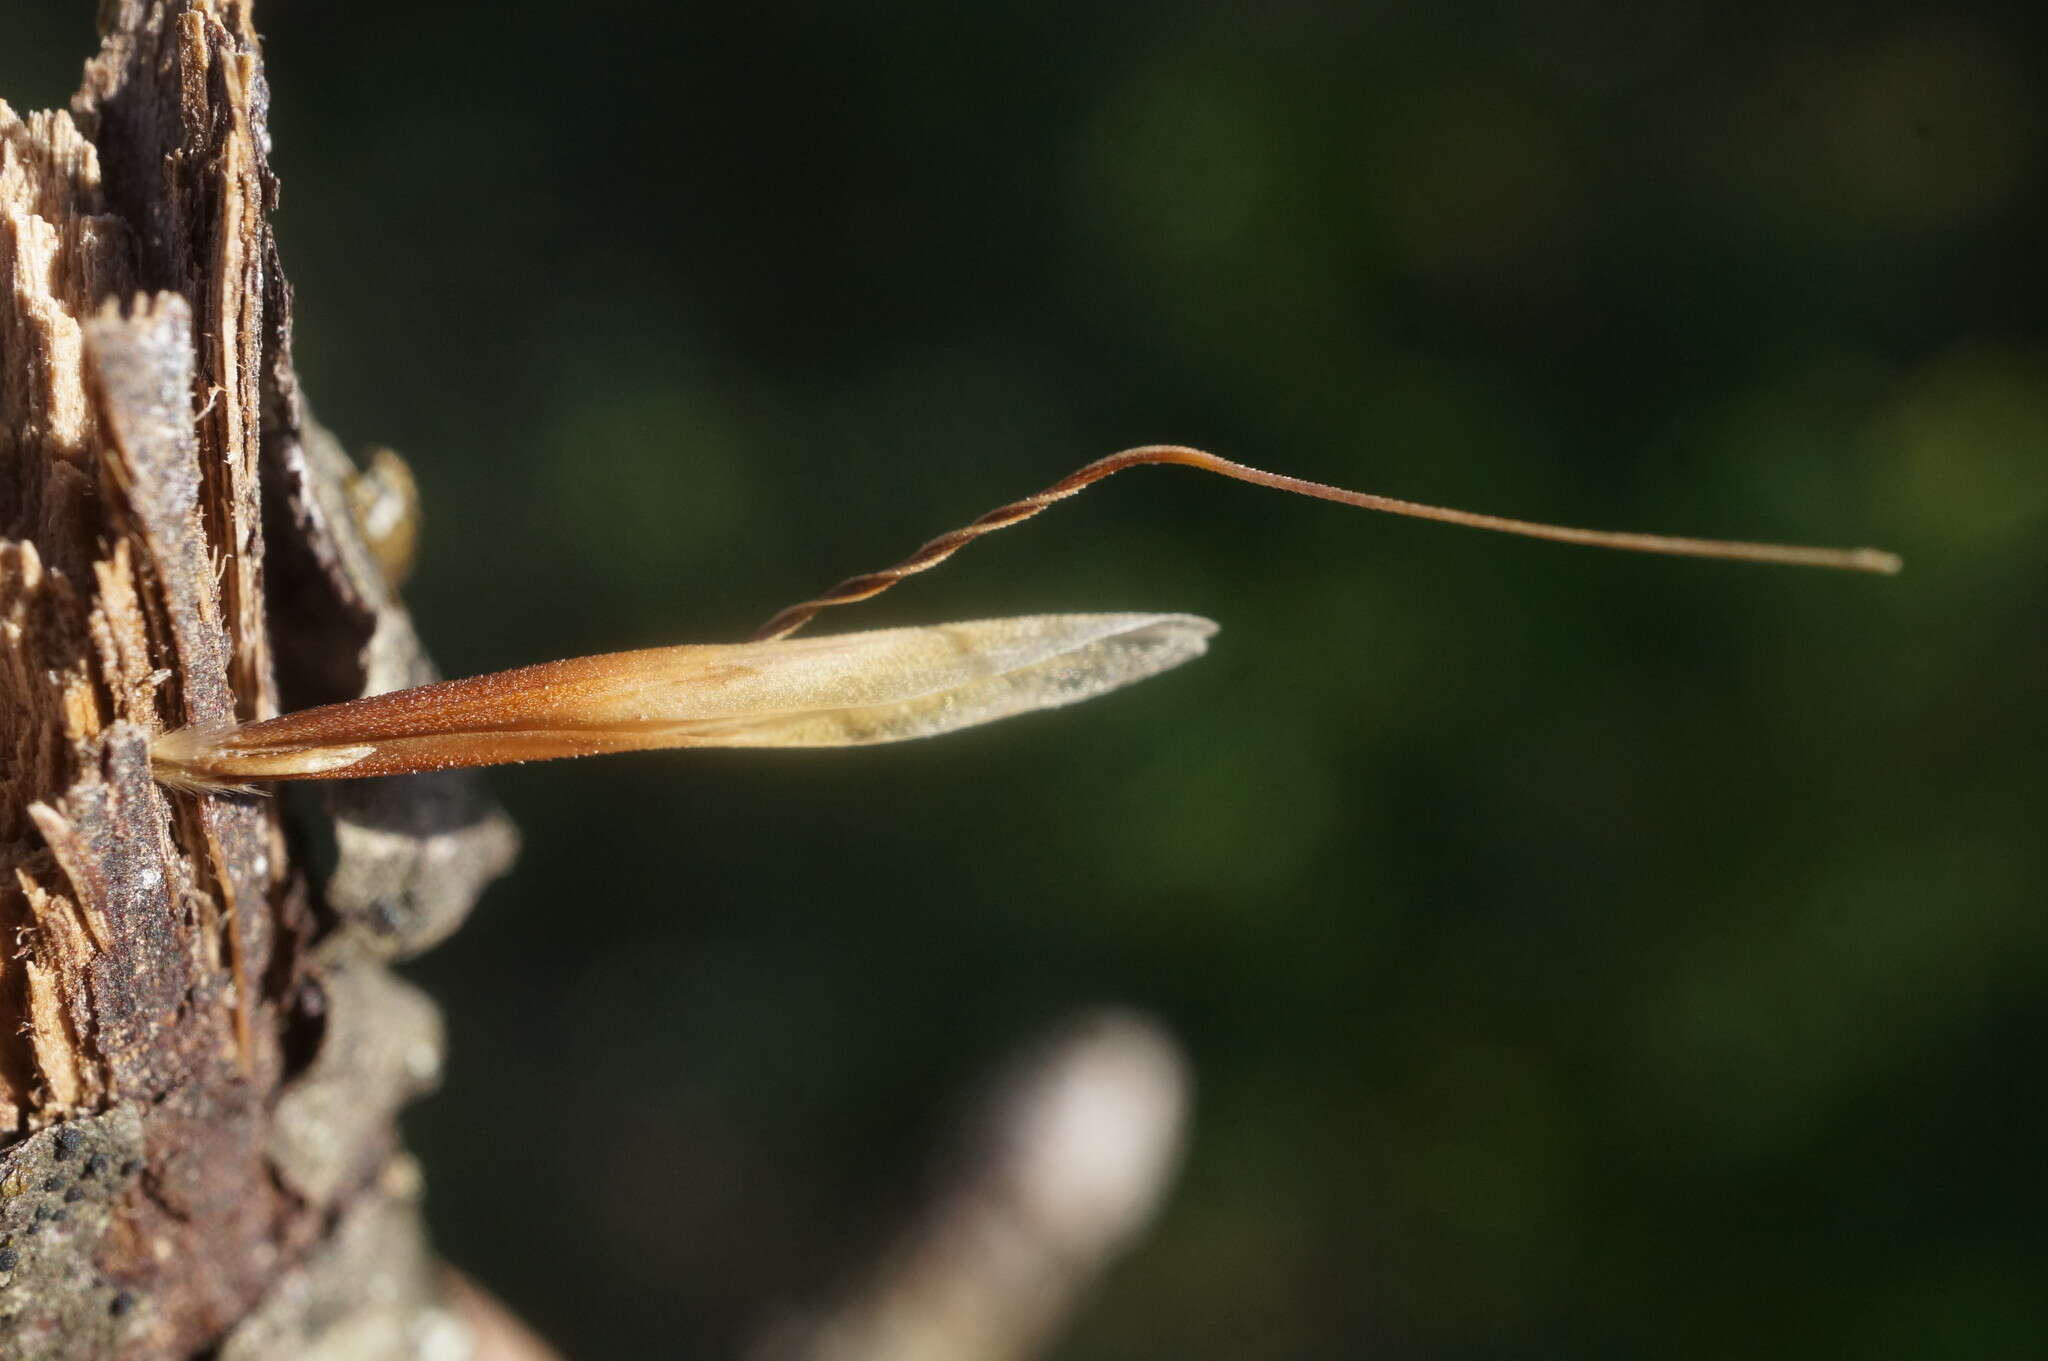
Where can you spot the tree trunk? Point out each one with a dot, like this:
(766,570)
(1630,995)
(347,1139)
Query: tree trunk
(202,1050)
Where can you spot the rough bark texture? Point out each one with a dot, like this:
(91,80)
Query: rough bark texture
(201,1048)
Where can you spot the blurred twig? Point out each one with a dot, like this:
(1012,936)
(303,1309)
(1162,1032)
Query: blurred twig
(1060,1167)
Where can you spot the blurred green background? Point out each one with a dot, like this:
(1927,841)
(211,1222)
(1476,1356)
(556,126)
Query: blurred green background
(1580,955)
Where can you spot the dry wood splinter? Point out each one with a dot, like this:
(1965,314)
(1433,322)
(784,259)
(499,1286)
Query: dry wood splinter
(847,690)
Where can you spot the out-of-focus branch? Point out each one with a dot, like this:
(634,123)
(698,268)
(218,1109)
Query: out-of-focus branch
(1059,1169)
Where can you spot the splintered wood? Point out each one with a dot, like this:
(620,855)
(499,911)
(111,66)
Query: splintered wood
(138,927)
(181,1150)
(73,642)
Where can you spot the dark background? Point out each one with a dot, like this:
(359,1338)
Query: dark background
(1581,955)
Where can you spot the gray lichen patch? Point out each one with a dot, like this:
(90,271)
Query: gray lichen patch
(368,1293)
(382,1048)
(59,1191)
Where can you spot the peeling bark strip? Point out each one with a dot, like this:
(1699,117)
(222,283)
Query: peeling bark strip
(201,1056)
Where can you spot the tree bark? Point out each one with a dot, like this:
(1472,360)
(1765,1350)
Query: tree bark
(202,1049)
